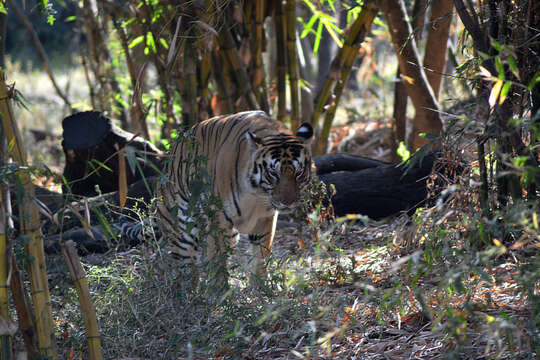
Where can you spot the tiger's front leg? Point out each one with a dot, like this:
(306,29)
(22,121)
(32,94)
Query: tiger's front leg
(261,240)
(221,240)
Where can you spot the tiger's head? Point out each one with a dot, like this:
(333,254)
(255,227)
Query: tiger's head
(281,166)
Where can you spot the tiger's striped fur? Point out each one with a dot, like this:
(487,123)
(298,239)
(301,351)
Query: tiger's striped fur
(256,166)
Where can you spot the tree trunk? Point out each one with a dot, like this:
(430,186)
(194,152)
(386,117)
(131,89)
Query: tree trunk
(400,93)
(437,43)
(427,118)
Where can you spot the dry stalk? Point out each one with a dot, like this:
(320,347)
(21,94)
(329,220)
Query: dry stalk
(290,15)
(355,34)
(281,70)
(78,276)
(259,82)
(30,226)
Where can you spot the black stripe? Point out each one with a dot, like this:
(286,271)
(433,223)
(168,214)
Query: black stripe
(227,218)
(235,199)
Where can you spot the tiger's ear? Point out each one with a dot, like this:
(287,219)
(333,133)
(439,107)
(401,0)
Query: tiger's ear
(305,131)
(253,141)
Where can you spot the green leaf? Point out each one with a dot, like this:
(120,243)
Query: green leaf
(70,18)
(163,43)
(102,165)
(150,42)
(496,45)
(131,158)
(512,65)
(126,23)
(403,152)
(534,81)
(308,27)
(139,39)
(500,68)
(317,38)
(495,92)
(504,91)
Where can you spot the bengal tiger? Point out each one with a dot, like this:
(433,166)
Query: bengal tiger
(255,165)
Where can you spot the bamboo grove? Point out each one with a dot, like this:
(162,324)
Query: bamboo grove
(211,58)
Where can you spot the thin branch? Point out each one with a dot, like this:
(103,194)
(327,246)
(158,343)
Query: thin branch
(39,48)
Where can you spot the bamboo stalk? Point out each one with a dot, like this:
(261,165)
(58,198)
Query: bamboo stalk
(30,226)
(290,13)
(322,144)
(340,70)
(190,108)
(281,70)
(137,109)
(226,43)
(259,79)
(6,351)
(24,311)
(355,34)
(78,276)
(220,77)
(205,66)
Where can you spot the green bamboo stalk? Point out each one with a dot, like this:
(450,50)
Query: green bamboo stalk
(259,78)
(340,70)
(226,43)
(78,275)
(30,226)
(281,70)
(355,33)
(290,12)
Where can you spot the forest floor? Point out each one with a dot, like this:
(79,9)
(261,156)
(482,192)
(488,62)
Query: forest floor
(350,288)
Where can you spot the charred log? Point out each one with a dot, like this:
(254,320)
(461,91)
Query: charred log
(91,144)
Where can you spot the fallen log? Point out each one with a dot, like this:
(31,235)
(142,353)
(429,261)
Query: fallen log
(380,191)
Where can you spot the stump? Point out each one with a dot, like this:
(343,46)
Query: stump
(91,144)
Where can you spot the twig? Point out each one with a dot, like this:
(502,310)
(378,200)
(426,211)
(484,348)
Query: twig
(39,48)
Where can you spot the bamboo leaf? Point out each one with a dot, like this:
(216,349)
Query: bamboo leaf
(132,158)
(136,41)
(308,28)
(122,178)
(333,30)
(534,81)
(495,92)
(500,68)
(485,73)
(504,91)
(163,43)
(512,65)
(408,79)
(150,42)
(318,38)
(172,55)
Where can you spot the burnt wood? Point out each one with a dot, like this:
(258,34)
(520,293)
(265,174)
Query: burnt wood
(91,144)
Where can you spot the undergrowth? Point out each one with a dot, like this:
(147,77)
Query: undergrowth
(418,287)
